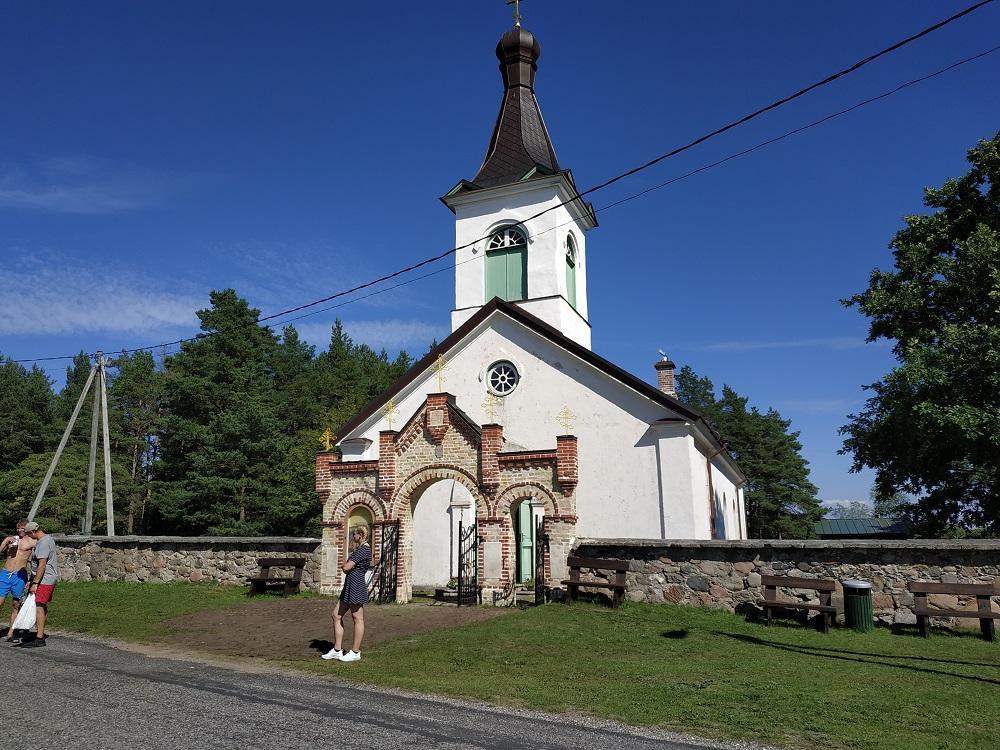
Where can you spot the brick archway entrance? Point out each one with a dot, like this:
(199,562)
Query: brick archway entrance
(440,442)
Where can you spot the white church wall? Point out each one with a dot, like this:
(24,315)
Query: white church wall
(675,446)
(618,492)
(478,214)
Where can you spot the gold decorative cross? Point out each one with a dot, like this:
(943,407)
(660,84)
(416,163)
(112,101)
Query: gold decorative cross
(327,439)
(517,12)
(566,418)
(440,365)
(390,411)
(490,405)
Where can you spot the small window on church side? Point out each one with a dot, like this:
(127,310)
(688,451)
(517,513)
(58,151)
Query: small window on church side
(502,378)
(571,270)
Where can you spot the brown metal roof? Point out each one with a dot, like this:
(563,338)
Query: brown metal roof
(520,141)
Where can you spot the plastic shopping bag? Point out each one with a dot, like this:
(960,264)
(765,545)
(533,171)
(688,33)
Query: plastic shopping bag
(26,616)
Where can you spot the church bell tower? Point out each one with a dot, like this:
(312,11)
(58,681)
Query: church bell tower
(538,262)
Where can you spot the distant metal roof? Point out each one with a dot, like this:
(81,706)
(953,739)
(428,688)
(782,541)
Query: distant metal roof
(860,528)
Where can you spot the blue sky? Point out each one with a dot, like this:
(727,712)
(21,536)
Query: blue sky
(152,152)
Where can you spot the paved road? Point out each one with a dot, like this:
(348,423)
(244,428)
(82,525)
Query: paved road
(91,694)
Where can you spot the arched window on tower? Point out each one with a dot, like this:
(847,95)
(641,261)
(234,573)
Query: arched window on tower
(507,265)
(571,261)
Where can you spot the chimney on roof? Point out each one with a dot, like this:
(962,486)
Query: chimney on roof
(665,375)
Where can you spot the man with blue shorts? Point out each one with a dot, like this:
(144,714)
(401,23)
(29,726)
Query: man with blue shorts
(14,575)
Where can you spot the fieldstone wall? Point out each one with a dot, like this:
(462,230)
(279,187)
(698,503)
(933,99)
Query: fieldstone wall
(726,574)
(229,560)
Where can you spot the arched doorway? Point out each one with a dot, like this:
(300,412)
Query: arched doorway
(436,509)
(358,516)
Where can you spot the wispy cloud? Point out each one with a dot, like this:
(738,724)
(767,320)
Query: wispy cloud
(819,405)
(44,296)
(85,185)
(389,334)
(835,343)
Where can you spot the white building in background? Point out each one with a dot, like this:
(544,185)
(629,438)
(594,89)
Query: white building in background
(512,421)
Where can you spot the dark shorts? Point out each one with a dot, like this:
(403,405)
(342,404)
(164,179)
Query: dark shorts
(43,593)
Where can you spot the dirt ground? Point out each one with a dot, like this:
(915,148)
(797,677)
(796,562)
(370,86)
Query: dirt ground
(301,628)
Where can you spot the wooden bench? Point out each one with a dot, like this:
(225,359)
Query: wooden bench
(266,577)
(617,587)
(824,586)
(984,593)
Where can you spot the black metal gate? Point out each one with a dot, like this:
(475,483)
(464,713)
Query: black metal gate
(382,588)
(541,547)
(468,565)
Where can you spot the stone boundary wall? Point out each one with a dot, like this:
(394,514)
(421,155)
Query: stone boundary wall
(157,559)
(726,574)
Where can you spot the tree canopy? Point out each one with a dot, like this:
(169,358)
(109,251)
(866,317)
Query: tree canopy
(931,428)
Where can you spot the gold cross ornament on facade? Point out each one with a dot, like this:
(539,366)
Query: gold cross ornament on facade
(390,411)
(566,418)
(327,439)
(440,365)
(490,405)
(517,12)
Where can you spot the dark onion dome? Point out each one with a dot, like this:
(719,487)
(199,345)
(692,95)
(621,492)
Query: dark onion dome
(520,142)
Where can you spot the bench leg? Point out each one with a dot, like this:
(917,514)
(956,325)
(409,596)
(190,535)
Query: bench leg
(768,615)
(824,622)
(988,626)
(924,623)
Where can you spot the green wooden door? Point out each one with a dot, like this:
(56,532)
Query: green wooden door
(507,274)
(525,543)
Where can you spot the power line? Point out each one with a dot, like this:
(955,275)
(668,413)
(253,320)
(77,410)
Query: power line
(628,173)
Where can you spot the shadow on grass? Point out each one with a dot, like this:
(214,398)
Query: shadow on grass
(877,659)
(676,634)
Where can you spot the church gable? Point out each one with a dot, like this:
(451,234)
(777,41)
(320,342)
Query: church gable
(438,433)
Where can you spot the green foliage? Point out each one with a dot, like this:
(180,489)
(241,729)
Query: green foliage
(219,440)
(780,500)
(931,428)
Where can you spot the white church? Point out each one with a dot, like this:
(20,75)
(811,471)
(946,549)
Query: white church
(512,424)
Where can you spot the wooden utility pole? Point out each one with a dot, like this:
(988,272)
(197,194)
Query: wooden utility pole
(100,409)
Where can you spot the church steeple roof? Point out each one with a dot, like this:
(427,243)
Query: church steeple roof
(520,142)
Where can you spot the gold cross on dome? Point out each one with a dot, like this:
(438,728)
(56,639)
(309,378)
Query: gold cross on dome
(327,439)
(390,411)
(440,365)
(490,405)
(517,12)
(566,418)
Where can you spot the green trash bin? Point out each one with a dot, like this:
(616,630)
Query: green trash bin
(858,606)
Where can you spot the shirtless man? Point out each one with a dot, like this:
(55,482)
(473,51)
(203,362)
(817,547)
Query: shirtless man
(14,575)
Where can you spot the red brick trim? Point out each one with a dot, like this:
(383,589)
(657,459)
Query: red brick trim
(430,473)
(520,490)
(525,457)
(353,467)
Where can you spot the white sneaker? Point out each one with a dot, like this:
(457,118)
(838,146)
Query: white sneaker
(333,653)
(350,656)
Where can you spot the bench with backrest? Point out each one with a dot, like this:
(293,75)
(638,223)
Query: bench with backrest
(984,593)
(616,586)
(267,577)
(823,586)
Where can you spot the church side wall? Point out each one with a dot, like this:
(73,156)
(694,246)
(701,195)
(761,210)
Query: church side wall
(726,575)
(159,559)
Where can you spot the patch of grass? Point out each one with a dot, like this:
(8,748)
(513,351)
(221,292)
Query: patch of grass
(710,673)
(134,611)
